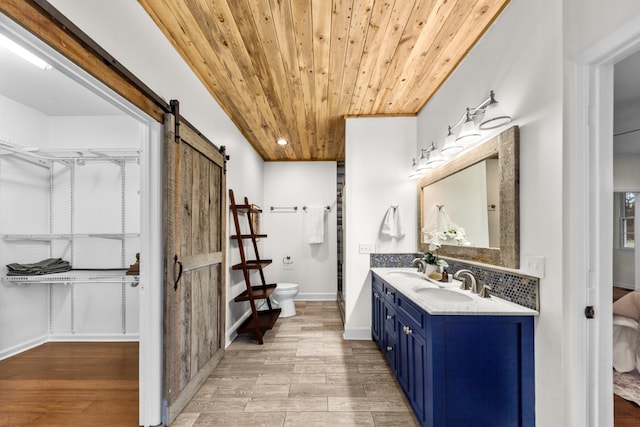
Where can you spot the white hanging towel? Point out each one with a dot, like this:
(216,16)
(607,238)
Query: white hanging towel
(391,224)
(315,225)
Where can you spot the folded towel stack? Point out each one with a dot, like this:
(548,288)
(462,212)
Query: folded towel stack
(47,266)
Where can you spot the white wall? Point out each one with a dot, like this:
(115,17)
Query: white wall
(314,266)
(96,309)
(23,310)
(123,29)
(520,57)
(378,157)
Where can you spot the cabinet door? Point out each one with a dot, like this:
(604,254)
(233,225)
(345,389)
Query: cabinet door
(390,348)
(403,365)
(377,307)
(417,374)
(412,362)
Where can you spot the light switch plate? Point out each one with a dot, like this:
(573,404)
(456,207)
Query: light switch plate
(367,248)
(535,266)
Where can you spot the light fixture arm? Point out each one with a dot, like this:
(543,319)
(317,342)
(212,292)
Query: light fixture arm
(472,112)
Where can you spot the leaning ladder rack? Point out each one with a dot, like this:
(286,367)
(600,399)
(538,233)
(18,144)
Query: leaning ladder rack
(259,321)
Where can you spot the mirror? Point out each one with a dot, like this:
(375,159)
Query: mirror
(478,191)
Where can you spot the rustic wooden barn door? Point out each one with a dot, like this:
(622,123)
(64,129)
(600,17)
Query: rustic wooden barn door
(195,212)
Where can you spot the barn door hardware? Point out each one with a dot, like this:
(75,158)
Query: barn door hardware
(176,279)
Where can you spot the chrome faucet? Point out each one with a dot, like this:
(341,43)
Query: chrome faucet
(469,275)
(422,264)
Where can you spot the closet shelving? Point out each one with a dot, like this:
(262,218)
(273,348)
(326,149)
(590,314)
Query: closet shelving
(69,159)
(259,321)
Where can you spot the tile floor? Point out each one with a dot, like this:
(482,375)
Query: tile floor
(304,374)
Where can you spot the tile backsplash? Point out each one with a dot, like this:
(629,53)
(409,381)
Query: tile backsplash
(514,287)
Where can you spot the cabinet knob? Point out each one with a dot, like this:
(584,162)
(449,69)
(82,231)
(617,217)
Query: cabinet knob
(376,295)
(389,348)
(407,330)
(389,317)
(389,293)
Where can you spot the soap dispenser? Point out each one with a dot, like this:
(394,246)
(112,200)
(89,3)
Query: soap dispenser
(445,276)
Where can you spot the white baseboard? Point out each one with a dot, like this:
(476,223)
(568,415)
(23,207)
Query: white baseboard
(231,333)
(624,285)
(93,338)
(357,334)
(27,345)
(330,296)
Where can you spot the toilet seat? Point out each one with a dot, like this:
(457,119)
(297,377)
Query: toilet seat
(287,286)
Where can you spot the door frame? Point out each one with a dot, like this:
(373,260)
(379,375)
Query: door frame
(588,187)
(151,242)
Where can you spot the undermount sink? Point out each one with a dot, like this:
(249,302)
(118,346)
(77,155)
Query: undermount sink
(444,295)
(409,274)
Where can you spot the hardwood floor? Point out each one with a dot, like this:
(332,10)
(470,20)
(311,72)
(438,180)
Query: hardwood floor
(305,374)
(626,414)
(71,384)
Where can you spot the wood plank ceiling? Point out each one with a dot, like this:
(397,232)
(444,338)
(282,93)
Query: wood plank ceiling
(295,69)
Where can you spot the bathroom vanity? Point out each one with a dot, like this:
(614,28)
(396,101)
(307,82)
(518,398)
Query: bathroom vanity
(461,360)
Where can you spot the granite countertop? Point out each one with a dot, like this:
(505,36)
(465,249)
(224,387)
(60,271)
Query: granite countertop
(446,298)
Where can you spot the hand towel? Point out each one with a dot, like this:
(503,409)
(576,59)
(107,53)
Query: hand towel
(391,224)
(315,225)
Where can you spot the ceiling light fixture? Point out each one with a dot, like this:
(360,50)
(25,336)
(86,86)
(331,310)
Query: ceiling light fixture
(282,141)
(24,53)
(490,115)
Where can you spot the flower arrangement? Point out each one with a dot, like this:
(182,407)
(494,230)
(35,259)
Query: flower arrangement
(432,259)
(451,233)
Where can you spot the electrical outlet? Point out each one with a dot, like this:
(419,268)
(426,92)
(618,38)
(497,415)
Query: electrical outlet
(535,266)
(367,248)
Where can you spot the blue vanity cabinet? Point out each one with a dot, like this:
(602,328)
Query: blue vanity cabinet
(461,370)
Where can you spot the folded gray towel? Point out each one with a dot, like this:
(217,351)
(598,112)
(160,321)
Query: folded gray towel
(46,266)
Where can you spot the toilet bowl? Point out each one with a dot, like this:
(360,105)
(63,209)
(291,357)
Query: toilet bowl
(283,298)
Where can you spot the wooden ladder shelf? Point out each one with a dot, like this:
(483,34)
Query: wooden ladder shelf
(260,321)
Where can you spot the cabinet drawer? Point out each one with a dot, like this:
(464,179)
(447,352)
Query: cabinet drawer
(390,293)
(414,316)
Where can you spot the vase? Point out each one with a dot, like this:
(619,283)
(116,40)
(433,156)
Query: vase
(431,268)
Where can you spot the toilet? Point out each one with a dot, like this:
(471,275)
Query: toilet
(283,297)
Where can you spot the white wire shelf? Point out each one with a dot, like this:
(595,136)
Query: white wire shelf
(77,276)
(45,156)
(50,237)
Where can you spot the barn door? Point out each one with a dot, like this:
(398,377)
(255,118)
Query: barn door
(194,263)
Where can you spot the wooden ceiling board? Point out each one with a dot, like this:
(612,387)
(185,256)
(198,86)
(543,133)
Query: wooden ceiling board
(295,69)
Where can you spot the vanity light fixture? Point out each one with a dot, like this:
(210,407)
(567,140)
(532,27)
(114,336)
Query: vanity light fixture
(423,162)
(451,145)
(282,141)
(24,53)
(414,170)
(468,131)
(493,115)
(435,158)
(490,115)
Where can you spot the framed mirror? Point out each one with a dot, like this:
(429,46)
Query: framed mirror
(479,191)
